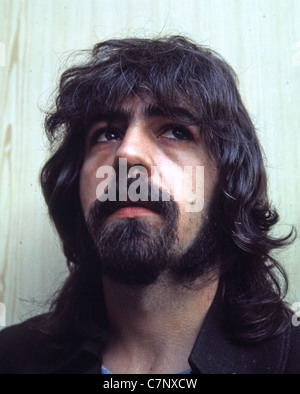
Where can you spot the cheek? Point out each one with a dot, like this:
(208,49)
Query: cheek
(88,181)
(188,226)
(191,186)
(191,221)
(190,171)
(87,186)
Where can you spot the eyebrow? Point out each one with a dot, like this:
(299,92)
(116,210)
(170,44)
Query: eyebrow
(123,115)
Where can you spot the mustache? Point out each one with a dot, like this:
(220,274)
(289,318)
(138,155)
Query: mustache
(164,204)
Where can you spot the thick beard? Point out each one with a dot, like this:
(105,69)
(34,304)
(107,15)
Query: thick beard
(132,253)
(135,252)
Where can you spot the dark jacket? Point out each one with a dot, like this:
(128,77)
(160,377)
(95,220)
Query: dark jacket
(21,351)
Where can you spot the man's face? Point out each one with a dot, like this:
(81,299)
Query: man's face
(142,136)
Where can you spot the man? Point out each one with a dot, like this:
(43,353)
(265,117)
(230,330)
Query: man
(158,284)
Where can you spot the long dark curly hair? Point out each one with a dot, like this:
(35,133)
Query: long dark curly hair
(173,72)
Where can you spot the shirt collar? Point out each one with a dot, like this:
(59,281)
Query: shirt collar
(214,353)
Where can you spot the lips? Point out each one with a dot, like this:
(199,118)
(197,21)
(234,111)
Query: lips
(115,206)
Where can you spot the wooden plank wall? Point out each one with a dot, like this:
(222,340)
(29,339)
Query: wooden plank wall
(259,38)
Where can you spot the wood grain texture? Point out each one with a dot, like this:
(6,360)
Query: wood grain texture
(259,38)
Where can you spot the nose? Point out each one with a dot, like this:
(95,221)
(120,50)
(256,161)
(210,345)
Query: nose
(137,148)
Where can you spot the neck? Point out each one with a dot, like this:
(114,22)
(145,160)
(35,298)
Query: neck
(153,329)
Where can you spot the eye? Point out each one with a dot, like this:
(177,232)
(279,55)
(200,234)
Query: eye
(106,134)
(175,132)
